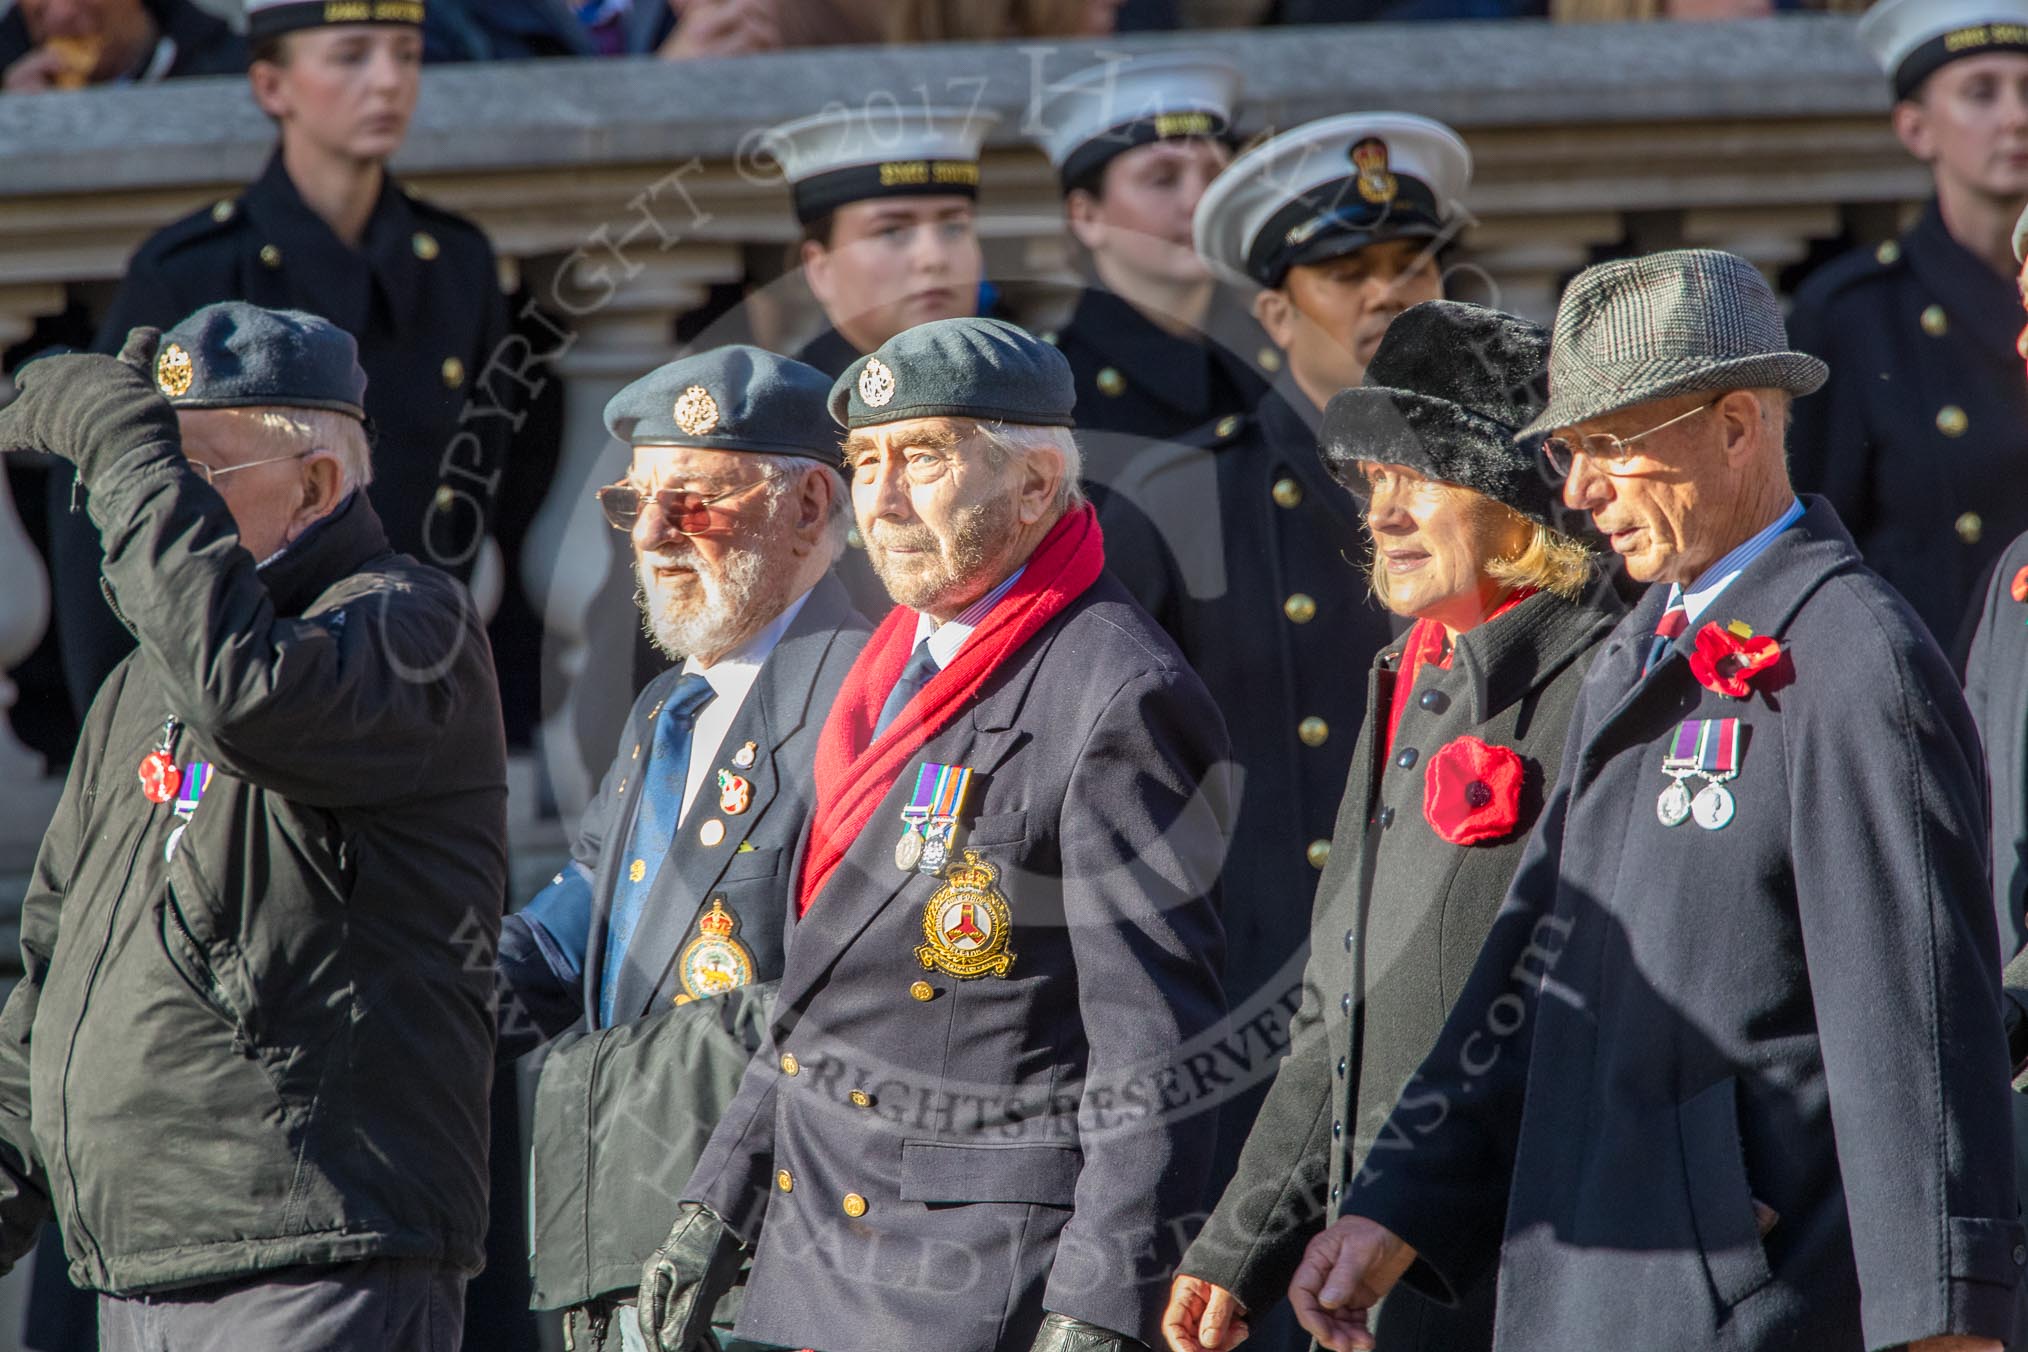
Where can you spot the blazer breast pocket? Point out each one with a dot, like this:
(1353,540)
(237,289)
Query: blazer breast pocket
(746,865)
(951,1173)
(1001,828)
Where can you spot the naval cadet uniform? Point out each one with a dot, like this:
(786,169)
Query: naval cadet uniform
(945,1138)
(661,940)
(1249,554)
(1728,1073)
(1920,438)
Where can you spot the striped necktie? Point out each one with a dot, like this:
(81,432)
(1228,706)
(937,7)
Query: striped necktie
(922,665)
(663,780)
(1675,619)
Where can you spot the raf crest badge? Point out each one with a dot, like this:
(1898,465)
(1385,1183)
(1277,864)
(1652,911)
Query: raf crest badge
(696,411)
(968,924)
(714,962)
(876,383)
(173,371)
(1376,183)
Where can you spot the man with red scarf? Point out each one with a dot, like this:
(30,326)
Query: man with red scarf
(976,1118)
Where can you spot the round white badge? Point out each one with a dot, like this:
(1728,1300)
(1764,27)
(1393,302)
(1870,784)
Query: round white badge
(876,383)
(1712,807)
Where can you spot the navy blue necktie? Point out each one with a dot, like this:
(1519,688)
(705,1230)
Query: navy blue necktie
(1675,619)
(662,780)
(921,666)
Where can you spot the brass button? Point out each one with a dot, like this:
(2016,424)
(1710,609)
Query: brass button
(447,497)
(454,372)
(1935,322)
(1268,359)
(1970,527)
(1951,420)
(1288,493)
(855,1205)
(1111,382)
(271,256)
(785,1180)
(1319,854)
(922,990)
(426,247)
(1300,609)
(223,210)
(1887,253)
(789,1064)
(1226,426)
(1314,731)
(860,1098)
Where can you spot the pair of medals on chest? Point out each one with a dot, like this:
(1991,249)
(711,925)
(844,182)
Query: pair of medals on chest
(967,925)
(163,780)
(1707,749)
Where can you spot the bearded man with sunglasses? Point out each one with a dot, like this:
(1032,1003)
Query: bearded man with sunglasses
(651,956)
(1730,1071)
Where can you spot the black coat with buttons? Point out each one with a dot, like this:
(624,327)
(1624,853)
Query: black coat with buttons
(1399,920)
(1920,436)
(1136,379)
(1249,554)
(928,1159)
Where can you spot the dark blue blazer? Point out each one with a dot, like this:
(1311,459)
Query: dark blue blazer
(925,1160)
(1743,1088)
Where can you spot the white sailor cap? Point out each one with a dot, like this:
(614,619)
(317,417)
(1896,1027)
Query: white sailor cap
(849,155)
(1911,39)
(1101,111)
(1329,187)
(271,18)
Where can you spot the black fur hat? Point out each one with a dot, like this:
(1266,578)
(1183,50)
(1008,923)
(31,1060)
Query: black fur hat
(1447,395)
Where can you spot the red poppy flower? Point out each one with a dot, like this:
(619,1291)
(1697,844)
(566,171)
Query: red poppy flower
(2020,586)
(1472,792)
(1726,661)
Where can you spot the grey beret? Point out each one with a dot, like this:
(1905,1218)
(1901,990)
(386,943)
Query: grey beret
(985,369)
(732,398)
(236,355)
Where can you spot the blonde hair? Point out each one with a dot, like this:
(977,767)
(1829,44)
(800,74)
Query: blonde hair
(1550,561)
(303,430)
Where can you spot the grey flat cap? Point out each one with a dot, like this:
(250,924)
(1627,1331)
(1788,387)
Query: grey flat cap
(1642,329)
(985,369)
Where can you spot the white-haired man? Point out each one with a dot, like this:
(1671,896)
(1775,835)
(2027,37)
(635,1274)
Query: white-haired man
(661,941)
(247,1067)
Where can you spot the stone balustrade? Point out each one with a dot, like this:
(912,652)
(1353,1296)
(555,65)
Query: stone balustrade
(619,191)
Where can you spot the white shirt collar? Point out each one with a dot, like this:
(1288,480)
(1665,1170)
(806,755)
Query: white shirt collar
(947,638)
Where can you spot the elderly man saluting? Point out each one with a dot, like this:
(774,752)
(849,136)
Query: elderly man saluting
(958,1132)
(1729,1073)
(247,1065)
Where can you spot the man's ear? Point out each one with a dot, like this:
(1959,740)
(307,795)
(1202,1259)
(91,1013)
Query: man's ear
(1911,124)
(323,484)
(817,271)
(1276,314)
(1041,476)
(1740,419)
(813,506)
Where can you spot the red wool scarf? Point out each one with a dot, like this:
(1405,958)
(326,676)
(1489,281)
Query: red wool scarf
(852,777)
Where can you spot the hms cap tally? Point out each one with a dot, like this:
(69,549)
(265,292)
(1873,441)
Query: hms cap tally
(852,154)
(1103,111)
(1913,39)
(271,18)
(1329,187)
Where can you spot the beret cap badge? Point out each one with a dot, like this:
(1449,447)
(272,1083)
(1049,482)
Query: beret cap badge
(696,411)
(876,383)
(173,371)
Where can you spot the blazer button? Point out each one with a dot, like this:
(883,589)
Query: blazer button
(854,1205)
(1386,817)
(1345,1003)
(1300,608)
(1288,493)
(1334,1192)
(1319,854)
(785,1180)
(1436,701)
(1951,420)
(1970,527)
(1935,322)
(271,256)
(1406,760)
(922,990)
(1348,941)
(1341,1067)
(860,1098)
(789,1064)
(1337,1131)
(1313,731)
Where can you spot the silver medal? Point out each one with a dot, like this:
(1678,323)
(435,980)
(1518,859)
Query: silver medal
(1673,808)
(1713,806)
(908,851)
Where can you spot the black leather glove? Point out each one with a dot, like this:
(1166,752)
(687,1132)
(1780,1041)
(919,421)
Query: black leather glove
(1061,1333)
(682,1281)
(88,408)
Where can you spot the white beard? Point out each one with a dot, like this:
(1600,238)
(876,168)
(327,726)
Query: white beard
(735,604)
